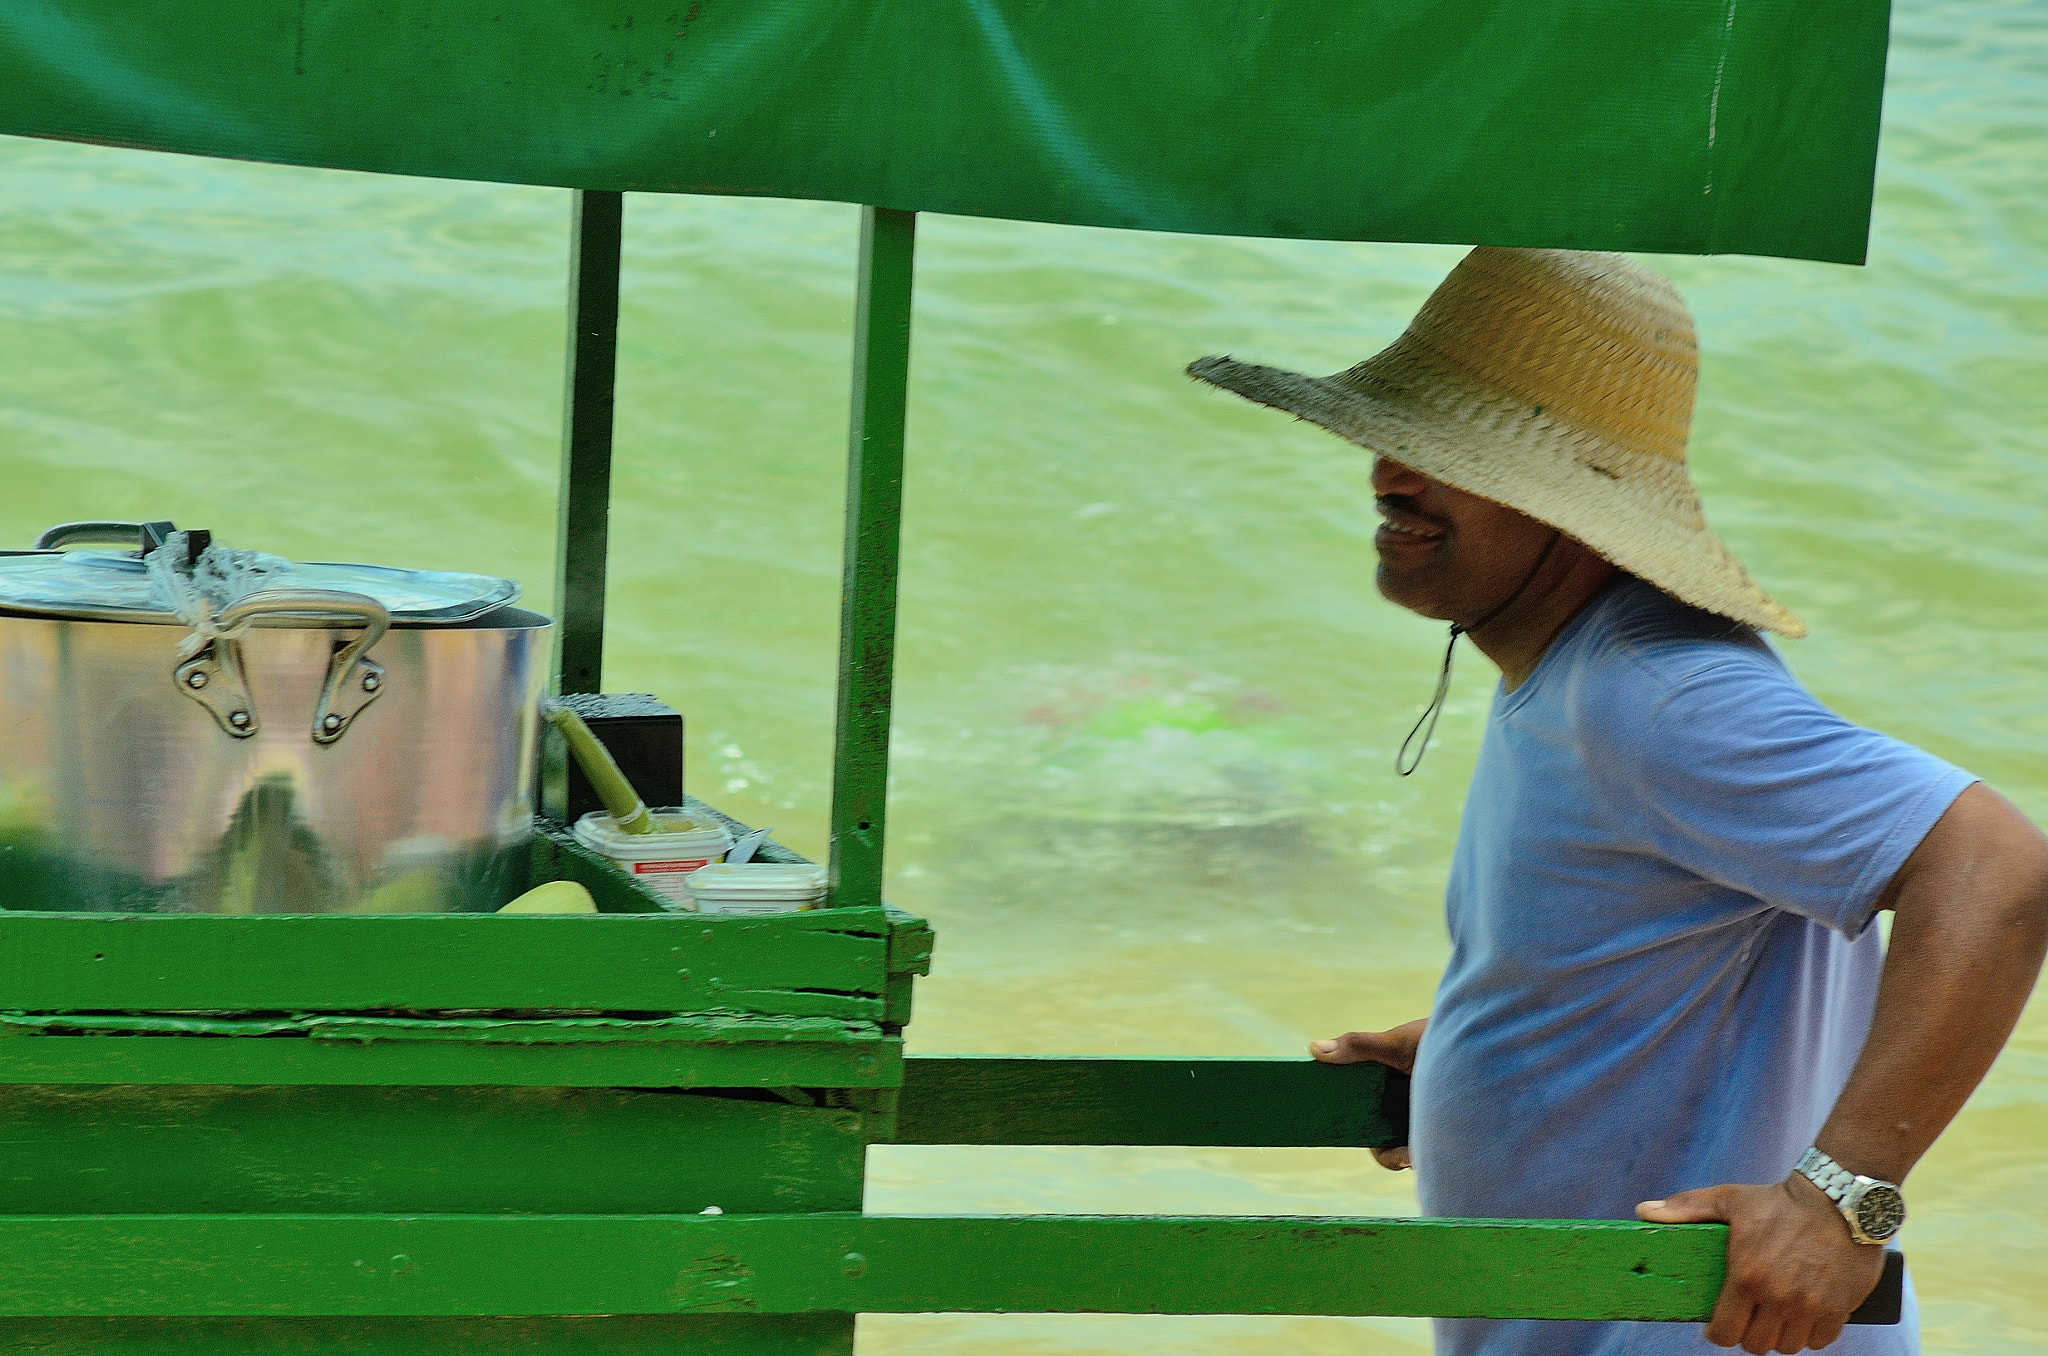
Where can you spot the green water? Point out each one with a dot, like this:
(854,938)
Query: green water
(1148,699)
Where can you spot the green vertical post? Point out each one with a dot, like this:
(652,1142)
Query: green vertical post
(874,516)
(583,507)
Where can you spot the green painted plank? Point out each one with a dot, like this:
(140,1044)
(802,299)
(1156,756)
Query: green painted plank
(910,943)
(128,1149)
(1063,1099)
(874,526)
(540,1264)
(1689,126)
(694,1029)
(583,500)
(1079,1264)
(610,1335)
(897,1002)
(241,1061)
(822,963)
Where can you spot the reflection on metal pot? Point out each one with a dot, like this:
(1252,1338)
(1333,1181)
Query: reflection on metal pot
(119,793)
(285,754)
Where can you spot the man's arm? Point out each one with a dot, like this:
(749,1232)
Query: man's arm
(1969,929)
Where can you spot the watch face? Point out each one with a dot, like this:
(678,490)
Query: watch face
(1881,1212)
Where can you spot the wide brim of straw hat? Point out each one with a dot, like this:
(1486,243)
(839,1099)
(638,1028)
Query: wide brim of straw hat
(1543,453)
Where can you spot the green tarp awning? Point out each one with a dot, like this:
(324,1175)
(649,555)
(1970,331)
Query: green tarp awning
(1688,126)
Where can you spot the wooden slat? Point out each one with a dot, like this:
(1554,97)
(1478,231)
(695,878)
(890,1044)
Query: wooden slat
(243,1062)
(822,1334)
(541,1264)
(1267,1103)
(823,963)
(583,500)
(874,524)
(910,944)
(126,1149)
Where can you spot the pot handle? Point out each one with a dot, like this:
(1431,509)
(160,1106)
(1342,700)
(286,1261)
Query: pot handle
(90,534)
(354,680)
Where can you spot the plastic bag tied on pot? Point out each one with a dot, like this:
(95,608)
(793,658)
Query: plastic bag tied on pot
(199,587)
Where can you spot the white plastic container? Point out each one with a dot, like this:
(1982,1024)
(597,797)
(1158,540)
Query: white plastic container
(758,887)
(660,861)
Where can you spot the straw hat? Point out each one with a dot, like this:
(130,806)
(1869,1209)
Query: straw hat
(1558,383)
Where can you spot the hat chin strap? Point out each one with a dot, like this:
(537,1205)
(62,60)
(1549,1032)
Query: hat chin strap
(1402,763)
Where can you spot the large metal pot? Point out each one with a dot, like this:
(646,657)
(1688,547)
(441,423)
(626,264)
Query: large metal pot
(345,739)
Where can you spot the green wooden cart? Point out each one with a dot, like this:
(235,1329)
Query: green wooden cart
(645,1131)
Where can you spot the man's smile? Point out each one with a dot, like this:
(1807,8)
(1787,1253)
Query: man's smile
(1404,530)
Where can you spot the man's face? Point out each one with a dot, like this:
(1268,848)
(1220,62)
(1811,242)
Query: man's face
(1445,553)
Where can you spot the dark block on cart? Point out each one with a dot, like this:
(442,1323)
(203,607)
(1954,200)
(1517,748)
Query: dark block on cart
(644,734)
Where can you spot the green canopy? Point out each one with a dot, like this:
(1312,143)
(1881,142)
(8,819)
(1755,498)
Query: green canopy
(1685,126)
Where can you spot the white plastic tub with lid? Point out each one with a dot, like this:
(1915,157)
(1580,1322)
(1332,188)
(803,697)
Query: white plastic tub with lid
(662,861)
(758,887)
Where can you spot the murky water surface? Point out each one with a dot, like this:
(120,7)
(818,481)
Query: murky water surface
(1148,697)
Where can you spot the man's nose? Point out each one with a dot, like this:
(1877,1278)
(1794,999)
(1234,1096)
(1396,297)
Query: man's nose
(1391,477)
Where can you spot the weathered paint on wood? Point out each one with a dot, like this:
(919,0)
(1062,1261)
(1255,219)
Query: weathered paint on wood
(874,524)
(466,1150)
(821,1334)
(1519,1269)
(843,1055)
(825,963)
(542,1264)
(496,1029)
(896,1002)
(910,954)
(910,944)
(1064,1099)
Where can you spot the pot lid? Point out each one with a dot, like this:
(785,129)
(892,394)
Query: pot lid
(115,585)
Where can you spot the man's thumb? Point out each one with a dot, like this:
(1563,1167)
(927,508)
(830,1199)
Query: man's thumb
(1705,1205)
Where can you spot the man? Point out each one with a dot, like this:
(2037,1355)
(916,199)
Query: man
(1664,986)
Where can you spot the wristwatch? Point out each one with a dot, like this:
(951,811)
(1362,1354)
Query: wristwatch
(1875,1210)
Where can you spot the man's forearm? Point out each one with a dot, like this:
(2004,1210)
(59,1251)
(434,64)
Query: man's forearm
(1969,930)
(1970,926)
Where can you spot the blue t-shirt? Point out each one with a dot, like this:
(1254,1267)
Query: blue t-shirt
(1662,967)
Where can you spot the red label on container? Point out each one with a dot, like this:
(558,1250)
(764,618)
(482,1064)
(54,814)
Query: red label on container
(664,868)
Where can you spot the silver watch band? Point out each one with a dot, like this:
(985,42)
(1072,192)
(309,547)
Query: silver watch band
(1825,1173)
(1873,1209)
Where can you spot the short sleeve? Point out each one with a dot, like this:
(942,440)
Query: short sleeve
(1741,777)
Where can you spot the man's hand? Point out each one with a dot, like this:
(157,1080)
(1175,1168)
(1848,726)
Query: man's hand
(1395,1049)
(1794,1274)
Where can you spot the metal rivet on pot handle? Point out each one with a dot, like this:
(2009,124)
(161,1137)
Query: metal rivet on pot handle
(213,678)
(354,680)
